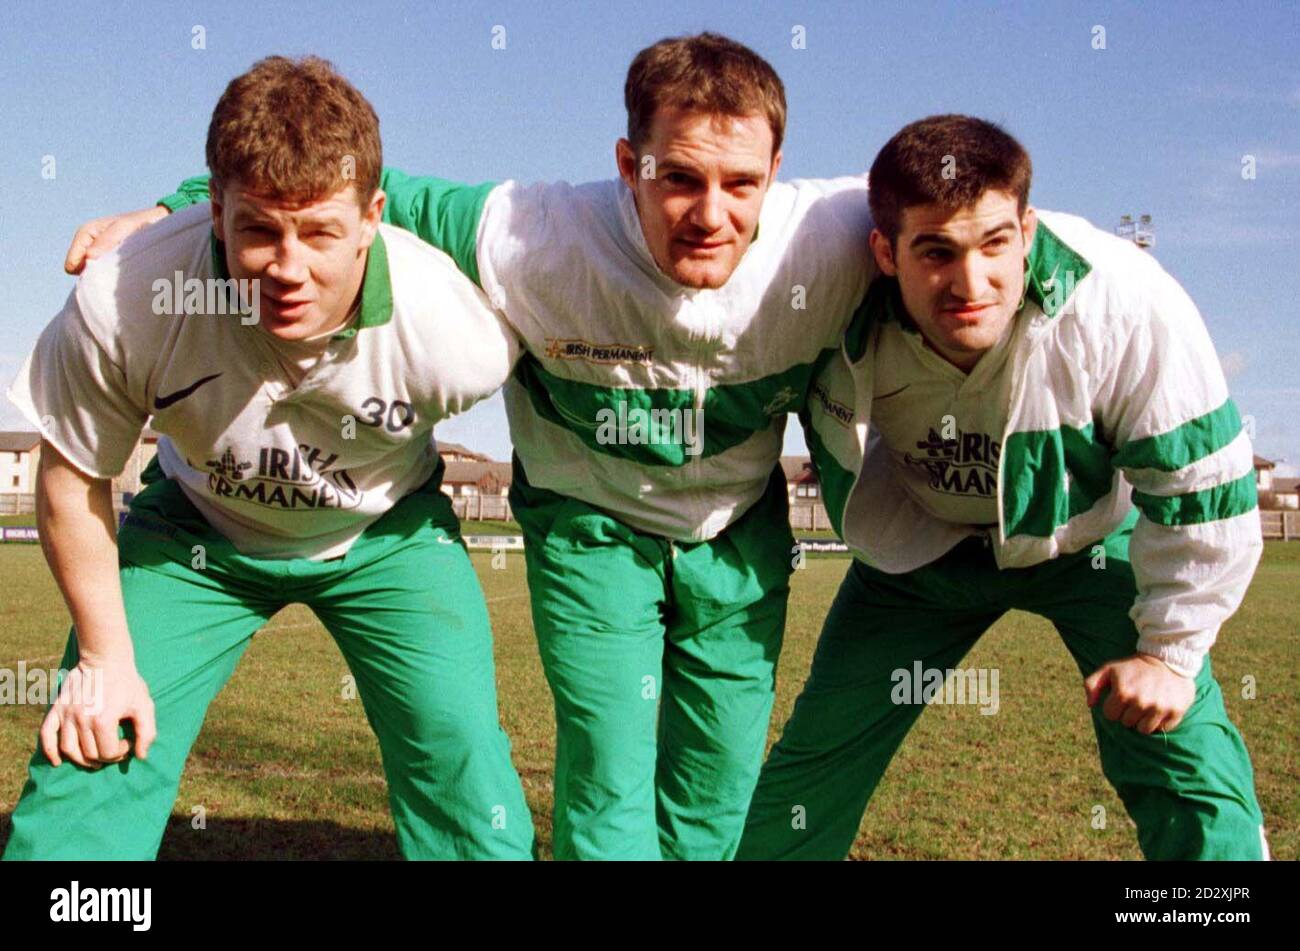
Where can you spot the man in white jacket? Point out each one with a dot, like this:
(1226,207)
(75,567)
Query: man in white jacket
(1027,413)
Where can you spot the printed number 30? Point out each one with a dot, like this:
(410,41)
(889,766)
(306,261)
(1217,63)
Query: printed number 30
(400,414)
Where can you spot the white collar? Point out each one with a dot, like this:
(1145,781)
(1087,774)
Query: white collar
(631,222)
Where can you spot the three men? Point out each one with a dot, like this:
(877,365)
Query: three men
(1005,387)
(698,286)
(296,465)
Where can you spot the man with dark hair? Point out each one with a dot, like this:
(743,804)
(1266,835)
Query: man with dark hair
(1027,413)
(296,464)
(665,345)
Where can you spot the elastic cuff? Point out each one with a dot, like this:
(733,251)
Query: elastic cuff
(1181,661)
(174,202)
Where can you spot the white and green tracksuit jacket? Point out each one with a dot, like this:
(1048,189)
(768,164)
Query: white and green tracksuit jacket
(608,335)
(1117,399)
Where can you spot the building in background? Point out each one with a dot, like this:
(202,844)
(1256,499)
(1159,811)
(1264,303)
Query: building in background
(129,481)
(476,478)
(455,452)
(1275,492)
(479,486)
(804,490)
(1284,495)
(20,454)
(800,479)
(1264,474)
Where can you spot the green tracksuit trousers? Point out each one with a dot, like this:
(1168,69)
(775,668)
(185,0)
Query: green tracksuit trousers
(406,610)
(661,658)
(1190,791)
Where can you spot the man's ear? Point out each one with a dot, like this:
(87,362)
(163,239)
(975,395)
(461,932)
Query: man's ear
(625,158)
(776,166)
(215,200)
(1029,227)
(371,217)
(883,252)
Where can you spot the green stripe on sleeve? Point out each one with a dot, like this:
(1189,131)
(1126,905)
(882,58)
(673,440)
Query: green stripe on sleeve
(192,191)
(1195,508)
(836,481)
(441,212)
(1180,447)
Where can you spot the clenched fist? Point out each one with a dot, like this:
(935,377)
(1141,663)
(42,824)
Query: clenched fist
(1144,694)
(83,722)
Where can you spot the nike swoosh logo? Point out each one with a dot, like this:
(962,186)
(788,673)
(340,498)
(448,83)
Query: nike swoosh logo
(162,402)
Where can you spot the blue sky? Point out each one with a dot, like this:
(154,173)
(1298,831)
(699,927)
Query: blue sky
(1160,121)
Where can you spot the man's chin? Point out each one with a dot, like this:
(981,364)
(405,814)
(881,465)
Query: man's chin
(702,275)
(286,329)
(969,336)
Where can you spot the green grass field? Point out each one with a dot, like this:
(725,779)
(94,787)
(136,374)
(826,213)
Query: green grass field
(285,768)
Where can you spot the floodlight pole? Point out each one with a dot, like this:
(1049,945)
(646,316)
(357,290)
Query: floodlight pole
(1141,232)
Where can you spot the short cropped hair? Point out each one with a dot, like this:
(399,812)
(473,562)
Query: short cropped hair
(707,73)
(295,130)
(948,160)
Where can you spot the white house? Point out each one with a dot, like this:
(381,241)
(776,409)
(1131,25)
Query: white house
(20,454)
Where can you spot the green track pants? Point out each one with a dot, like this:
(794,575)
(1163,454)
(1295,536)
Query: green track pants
(661,659)
(406,610)
(1190,792)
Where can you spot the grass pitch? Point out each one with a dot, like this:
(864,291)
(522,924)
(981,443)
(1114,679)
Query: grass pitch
(286,768)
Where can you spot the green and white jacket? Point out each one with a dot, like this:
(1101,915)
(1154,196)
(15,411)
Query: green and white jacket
(607,336)
(1117,400)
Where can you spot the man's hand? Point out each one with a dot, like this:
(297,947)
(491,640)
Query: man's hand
(1144,693)
(93,700)
(102,235)
(74,517)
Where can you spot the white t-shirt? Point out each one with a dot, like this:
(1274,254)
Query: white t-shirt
(285,452)
(942,427)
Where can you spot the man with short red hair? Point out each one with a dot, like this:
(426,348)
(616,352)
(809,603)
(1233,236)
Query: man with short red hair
(296,387)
